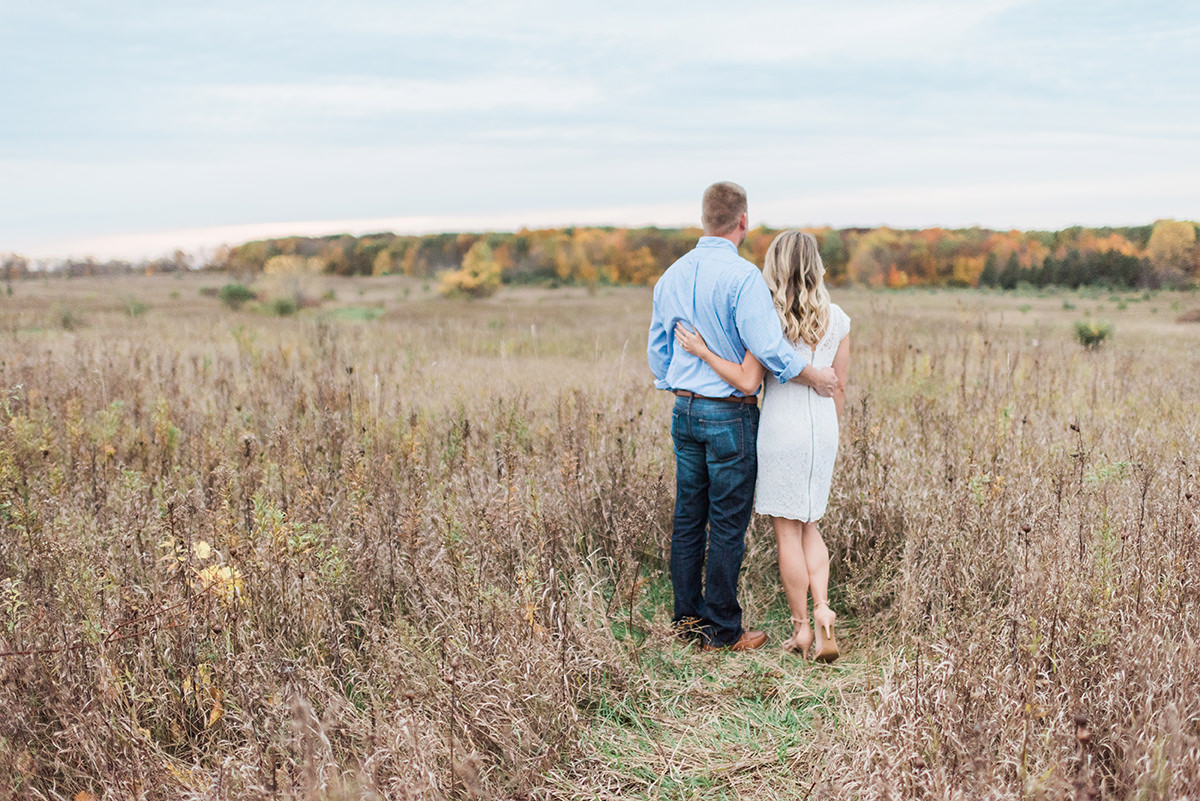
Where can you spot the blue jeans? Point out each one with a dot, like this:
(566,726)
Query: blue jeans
(716,462)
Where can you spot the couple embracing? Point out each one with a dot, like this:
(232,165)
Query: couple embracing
(719,326)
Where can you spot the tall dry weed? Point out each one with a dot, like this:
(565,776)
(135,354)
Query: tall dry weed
(421,557)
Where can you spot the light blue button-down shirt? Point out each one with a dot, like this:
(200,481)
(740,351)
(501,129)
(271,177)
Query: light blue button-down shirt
(715,291)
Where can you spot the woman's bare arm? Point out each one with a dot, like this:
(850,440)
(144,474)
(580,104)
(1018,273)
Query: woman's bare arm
(746,377)
(841,366)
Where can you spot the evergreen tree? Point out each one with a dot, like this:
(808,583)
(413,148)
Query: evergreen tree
(1011,273)
(990,276)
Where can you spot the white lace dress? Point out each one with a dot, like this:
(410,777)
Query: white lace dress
(798,438)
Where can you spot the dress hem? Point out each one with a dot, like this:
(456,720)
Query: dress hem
(788,515)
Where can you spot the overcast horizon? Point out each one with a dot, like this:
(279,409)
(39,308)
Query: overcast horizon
(132,129)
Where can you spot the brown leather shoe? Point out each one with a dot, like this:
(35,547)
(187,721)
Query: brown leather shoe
(747,642)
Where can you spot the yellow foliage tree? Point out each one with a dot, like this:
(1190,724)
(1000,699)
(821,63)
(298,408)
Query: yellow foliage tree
(1172,250)
(408,262)
(382,265)
(967,269)
(479,275)
(873,257)
(293,277)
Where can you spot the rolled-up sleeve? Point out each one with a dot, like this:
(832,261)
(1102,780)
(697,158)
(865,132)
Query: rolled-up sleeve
(658,350)
(758,326)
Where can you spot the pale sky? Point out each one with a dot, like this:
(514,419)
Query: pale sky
(129,128)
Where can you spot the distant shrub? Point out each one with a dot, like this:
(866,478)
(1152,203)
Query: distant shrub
(235,295)
(283,307)
(1192,316)
(1092,333)
(1068,306)
(461,283)
(134,307)
(67,318)
(479,276)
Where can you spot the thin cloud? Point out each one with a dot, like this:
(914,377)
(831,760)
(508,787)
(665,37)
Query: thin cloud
(372,97)
(996,204)
(141,117)
(207,240)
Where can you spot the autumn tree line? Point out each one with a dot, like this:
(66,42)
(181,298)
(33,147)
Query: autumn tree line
(1165,254)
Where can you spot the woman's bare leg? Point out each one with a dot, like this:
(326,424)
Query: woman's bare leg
(793,572)
(817,559)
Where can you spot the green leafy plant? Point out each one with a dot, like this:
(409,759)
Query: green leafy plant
(1092,333)
(283,307)
(134,307)
(68,319)
(235,295)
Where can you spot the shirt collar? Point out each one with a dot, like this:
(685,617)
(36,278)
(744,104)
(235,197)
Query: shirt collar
(716,242)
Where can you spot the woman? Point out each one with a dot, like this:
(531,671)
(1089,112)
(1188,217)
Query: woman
(798,431)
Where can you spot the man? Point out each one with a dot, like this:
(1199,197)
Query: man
(713,425)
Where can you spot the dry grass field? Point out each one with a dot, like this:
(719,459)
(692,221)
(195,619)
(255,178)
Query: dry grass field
(395,546)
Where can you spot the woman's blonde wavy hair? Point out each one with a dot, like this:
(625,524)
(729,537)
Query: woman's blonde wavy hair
(795,276)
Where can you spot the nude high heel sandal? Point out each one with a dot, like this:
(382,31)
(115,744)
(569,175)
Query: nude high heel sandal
(797,643)
(826,647)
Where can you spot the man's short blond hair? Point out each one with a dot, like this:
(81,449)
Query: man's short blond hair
(723,206)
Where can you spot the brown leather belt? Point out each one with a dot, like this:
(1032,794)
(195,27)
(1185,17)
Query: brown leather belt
(748,399)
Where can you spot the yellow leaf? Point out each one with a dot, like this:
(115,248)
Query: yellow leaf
(202,549)
(225,582)
(84,795)
(218,710)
